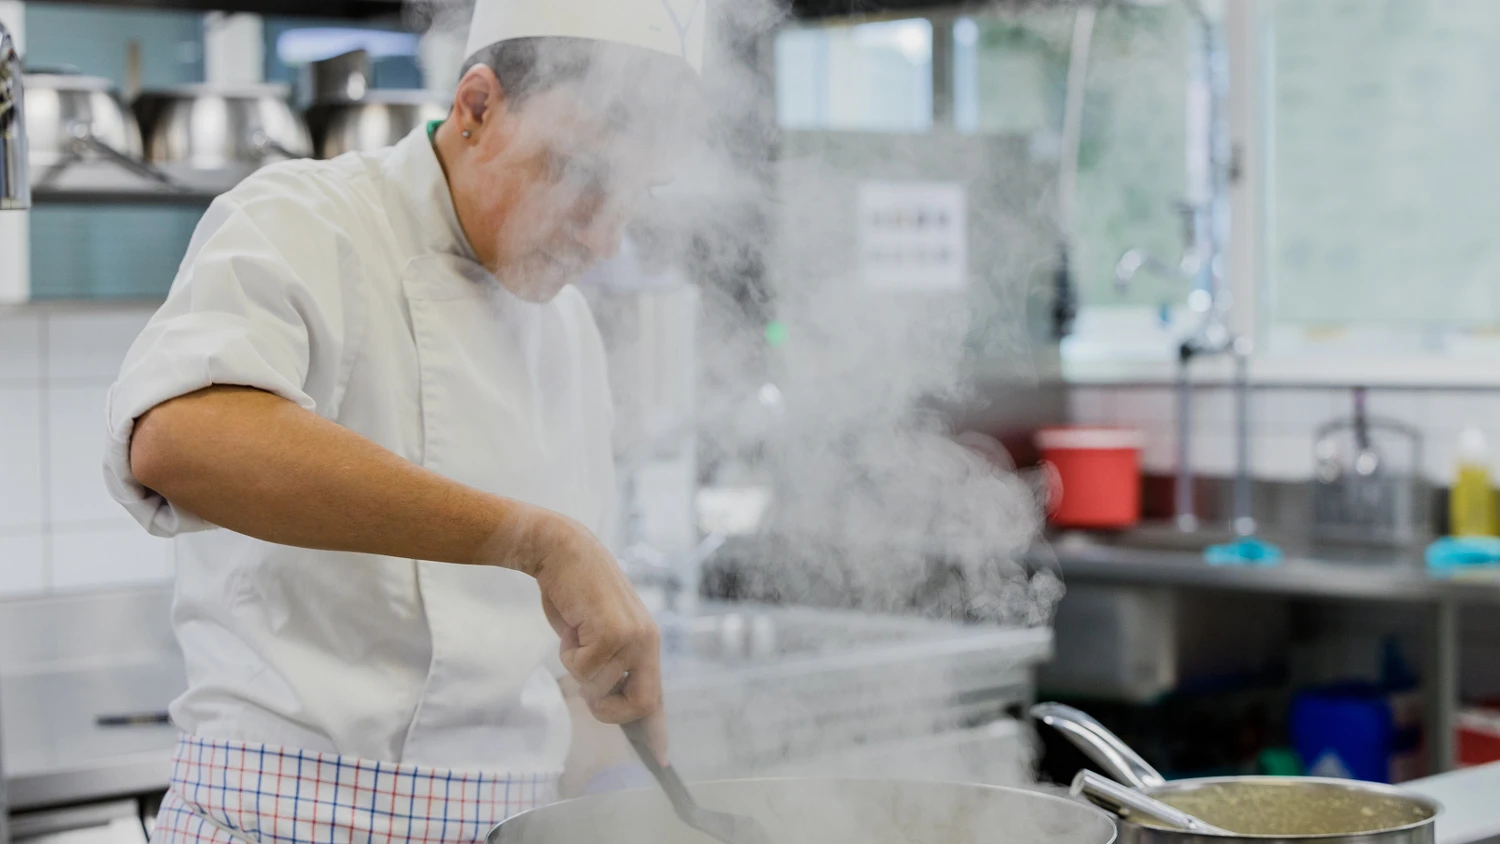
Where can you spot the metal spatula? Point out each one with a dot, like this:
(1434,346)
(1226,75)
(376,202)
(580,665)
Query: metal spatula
(720,826)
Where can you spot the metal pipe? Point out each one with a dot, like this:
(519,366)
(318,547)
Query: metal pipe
(1186,518)
(15,187)
(15,195)
(1244,518)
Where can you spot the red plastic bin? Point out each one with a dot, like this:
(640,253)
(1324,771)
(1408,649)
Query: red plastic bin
(1097,474)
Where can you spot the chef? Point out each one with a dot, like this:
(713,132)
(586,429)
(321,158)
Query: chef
(374,415)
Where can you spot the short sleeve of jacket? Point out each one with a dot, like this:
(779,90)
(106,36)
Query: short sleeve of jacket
(268,297)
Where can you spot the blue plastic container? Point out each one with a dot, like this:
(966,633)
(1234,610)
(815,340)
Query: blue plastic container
(1361,731)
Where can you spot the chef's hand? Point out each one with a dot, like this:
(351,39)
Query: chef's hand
(610,644)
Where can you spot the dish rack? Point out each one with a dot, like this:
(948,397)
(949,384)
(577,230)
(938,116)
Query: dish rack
(1369,487)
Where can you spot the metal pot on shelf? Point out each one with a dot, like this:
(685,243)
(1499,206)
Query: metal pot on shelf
(72,119)
(381,119)
(348,116)
(1255,810)
(206,127)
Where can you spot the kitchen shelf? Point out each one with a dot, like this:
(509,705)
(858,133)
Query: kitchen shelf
(88,183)
(339,9)
(393,9)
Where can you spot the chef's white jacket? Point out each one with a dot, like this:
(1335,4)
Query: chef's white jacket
(349,288)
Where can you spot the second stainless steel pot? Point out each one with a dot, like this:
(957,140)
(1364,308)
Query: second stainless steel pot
(823,811)
(1262,810)
(61,107)
(379,120)
(207,127)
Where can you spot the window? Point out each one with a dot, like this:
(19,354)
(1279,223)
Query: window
(1010,77)
(1381,196)
(869,76)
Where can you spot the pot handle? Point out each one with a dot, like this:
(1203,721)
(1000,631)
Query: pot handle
(84,136)
(1105,748)
(1127,802)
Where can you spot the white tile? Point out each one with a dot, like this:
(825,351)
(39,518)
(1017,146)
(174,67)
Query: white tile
(1456,410)
(20,346)
(1294,411)
(116,554)
(1282,458)
(92,344)
(1091,406)
(21,457)
(1440,456)
(1409,406)
(1160,454)
(1146,406)
(76,430)
(1214,455)
(1214,411)
(23,564)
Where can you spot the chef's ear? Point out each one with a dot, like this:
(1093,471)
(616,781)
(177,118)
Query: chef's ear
(478,95)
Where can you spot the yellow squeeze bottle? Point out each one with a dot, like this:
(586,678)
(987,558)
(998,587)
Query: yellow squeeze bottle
(1471,509)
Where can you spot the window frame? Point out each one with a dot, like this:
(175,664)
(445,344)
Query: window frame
(1118,358)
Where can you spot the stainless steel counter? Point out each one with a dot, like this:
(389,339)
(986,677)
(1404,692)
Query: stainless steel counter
(1471,813)
(1370,575)
(1337,574)
(76,673)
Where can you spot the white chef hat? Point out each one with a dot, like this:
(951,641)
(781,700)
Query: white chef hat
(674,27)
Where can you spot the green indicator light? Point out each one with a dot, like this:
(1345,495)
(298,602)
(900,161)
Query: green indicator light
(776,333)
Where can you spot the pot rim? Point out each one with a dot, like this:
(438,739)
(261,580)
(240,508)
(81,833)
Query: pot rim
(1112,822)
(69,82)
(1374,788)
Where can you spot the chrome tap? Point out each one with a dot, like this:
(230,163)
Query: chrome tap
(15,194)
(15,187)
(1206,223)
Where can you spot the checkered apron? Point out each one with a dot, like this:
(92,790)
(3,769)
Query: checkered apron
(226,792)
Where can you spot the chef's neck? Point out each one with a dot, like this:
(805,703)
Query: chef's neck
(453,153)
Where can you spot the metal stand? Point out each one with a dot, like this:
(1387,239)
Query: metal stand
(1444,690)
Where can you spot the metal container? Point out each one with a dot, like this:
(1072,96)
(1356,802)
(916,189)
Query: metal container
(379,120)
(1257,809)
(71,118)
(206,127)
(823,811)
(344,78)
(1370,488)
(15,186)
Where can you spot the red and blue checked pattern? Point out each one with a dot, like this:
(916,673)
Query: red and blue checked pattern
(232,793)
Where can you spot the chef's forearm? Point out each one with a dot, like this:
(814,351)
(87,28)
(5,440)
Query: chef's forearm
(259,465)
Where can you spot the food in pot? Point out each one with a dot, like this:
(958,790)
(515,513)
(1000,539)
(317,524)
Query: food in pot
(1295,808)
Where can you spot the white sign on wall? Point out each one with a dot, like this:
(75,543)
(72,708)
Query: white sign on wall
(914,235)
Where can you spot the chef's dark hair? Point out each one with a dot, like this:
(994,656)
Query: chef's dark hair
(529,66)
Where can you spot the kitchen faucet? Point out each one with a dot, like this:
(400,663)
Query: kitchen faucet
(1206,217)
(15,195)
(15,187)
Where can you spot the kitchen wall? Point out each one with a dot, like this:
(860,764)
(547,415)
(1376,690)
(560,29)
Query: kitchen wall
(59,529)
(1282,424)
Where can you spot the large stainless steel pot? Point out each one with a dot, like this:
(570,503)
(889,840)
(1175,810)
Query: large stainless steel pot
(378,120)
(1260,810)
(206,127)
(71,119)
(823,811)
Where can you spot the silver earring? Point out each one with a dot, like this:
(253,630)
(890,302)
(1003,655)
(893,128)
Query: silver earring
(468,134)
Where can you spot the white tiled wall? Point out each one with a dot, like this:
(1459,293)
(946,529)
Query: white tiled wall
(59,529)
(1283,422)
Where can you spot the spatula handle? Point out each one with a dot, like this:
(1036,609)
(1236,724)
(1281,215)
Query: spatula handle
(682,799)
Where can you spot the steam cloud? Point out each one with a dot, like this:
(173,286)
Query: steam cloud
(876,506)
